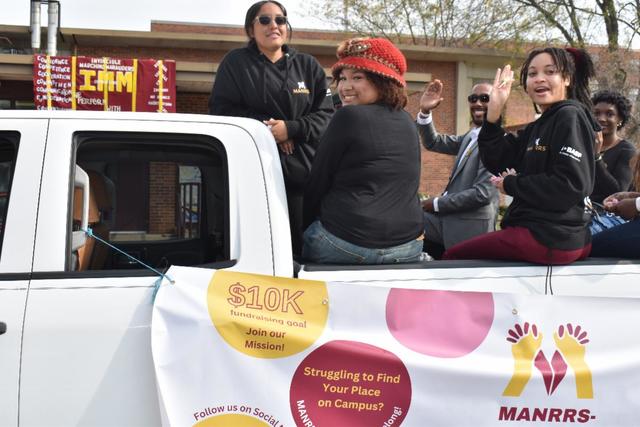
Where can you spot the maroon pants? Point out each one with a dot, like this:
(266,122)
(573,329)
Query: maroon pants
(513,243)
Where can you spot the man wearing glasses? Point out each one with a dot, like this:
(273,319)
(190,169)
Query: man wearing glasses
(468,206)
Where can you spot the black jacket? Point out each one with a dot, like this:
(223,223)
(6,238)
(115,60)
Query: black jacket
(554,159)
(614,172)
(365,177)
(293,89)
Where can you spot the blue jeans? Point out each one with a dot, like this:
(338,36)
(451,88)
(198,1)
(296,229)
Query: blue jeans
(621,241)
(322,247)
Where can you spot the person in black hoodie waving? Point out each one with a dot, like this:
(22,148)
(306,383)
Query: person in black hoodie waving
(548,168)
(271,82)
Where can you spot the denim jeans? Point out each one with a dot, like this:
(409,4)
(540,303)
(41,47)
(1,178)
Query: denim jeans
(621,241)
(322,247)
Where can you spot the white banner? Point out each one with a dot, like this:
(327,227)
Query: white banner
(243,350)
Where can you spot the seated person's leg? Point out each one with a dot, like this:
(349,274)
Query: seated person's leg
(432,248)
(406,252)
(322,247)
(622,241)
(433,241)
(511,243)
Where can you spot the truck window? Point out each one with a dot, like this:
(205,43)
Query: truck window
(160,198)
(8,151)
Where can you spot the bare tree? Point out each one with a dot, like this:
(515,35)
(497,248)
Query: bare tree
(581,23)
(608,28)
(448,23)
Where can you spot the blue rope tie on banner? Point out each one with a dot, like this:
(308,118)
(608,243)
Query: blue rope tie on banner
(157,283)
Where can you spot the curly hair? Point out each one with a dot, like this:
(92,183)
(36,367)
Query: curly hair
(622,103)
(389,92)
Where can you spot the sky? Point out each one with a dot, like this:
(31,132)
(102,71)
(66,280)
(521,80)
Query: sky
(137,14)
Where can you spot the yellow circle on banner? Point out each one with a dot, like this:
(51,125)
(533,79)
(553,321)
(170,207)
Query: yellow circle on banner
(235,420)
(265,316)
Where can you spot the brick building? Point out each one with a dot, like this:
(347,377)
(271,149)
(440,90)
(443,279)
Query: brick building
(199,48)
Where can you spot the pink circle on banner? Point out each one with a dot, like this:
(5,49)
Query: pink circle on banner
(439,323)
(348,383)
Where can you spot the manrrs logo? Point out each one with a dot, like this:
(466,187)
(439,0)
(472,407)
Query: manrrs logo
(571,345)
(302,88)
(537,147)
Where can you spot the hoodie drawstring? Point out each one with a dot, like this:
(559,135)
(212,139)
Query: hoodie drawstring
(264,78)
(287,63)
(263,66)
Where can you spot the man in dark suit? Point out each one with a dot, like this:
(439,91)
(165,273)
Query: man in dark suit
(468,207)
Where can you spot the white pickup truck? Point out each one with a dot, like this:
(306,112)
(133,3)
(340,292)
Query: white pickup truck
(189,190)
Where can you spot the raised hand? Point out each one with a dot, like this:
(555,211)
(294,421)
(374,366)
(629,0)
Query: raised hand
(432,96)
(571,343)
(526,344)
(499,93)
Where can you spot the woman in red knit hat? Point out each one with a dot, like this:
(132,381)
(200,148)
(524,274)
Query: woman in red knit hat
(361,202)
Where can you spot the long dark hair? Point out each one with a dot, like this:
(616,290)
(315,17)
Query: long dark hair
(574,64)
(253,11)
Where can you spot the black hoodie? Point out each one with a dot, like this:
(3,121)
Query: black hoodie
(293,89)
(555,165)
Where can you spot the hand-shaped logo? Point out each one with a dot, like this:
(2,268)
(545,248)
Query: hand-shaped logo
(570,344)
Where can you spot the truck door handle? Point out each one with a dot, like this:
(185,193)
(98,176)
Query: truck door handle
(3,328)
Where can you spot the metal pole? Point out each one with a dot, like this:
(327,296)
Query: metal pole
(34,24)
(52,28)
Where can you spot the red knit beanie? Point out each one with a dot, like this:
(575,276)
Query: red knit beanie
(378,56)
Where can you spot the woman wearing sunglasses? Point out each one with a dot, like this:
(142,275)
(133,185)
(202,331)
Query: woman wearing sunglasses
(548,168)
(287,90)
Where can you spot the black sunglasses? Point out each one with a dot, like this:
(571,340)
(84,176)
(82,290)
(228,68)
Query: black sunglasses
(484,98)
(266,20)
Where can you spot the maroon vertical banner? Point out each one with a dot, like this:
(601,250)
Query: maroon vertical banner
(104,84)
(52,83)
(157,88)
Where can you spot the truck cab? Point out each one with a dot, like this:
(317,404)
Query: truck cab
(77,312)
(164,189)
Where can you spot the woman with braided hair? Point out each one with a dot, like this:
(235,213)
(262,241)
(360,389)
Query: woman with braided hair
(548,168)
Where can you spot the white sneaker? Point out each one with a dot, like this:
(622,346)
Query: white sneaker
(425,257)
